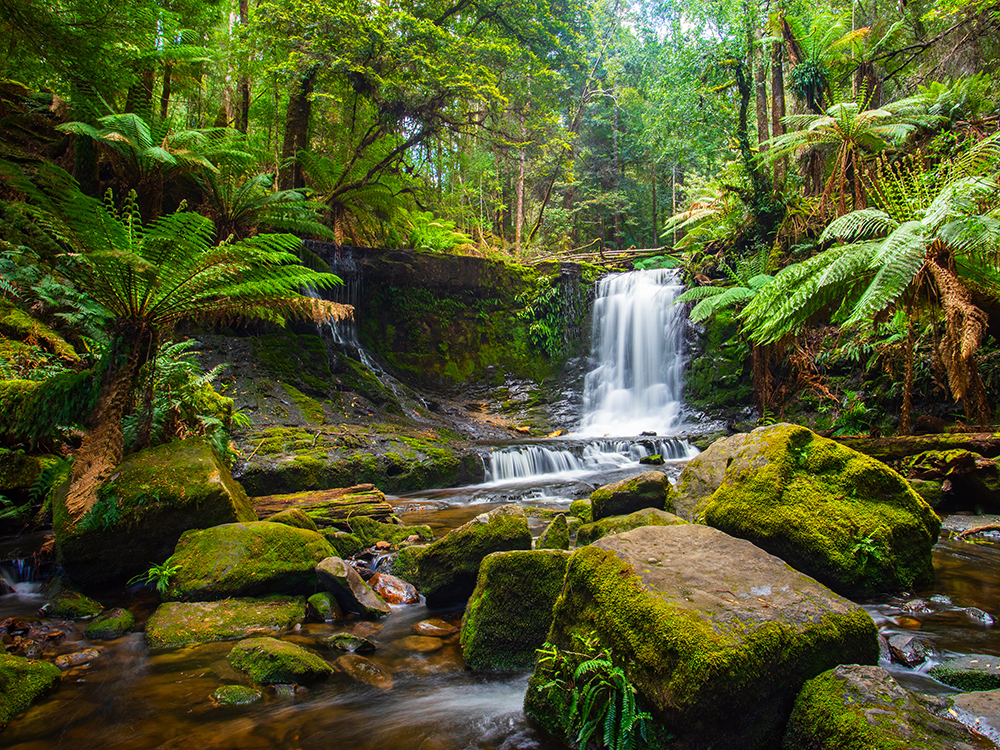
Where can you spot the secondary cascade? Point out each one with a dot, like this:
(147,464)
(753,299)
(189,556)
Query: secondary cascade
(638,346)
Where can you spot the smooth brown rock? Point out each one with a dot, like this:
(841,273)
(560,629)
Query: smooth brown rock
(393,590)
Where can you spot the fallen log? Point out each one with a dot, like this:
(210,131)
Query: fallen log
(888,449)
(331,507)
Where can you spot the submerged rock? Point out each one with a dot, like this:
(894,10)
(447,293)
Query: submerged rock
(65,661)
(393,590)
(180,623)
(908,649)
(111,624)
(22,682)
(716,635)
(268,661)
(555,536)
(155,496)
(846,519)
(245,559)
(854,707)
(435,627)
(509,613)
(365,671)
(651,489)
(351,643)
(323,607)
(591,532)
(352,593)
(447,569)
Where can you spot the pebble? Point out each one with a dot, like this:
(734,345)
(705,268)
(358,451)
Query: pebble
(979,616)
(435,628)
(80,657)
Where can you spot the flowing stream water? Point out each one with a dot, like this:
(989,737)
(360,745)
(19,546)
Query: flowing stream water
(134,698)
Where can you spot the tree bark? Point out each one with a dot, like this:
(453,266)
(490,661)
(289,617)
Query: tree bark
(297,129)
(760,91)
(905,417)
(168,70)
(243,87)
(778,107)
(656,228)
(519,220)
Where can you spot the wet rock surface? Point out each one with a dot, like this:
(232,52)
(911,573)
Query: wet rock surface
(352,593)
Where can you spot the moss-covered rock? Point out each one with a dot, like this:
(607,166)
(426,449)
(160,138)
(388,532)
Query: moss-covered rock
(447,569)
(22,682)
(973,480)
(406,563)
(70,603)
(369,531)
(591,532)
(651,489)
(237,695)
(294,517)
(344,544)
(856,707)
(716,635)
(582,509)
(847,520)
(268,661)
(969,672)
(703,474)
(323,607)
(245,559)
(20,470)
(555,536)
(154,497)
(929,490)
(351,592)
(353,644)
(110,625)
(181,623)
(509,613)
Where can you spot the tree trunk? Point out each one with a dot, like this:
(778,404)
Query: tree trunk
(619,239)
(243,87)
(905,422)
(778,107)
(297,129)
(165,91)
(656,228)
(760,91)
(519,219)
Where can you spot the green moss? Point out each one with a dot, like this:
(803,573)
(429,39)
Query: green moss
(245,560)
(22,682)
(268,661)
(448,568)
(294,517)
(323,607)
(582,509)
(845,519)
(406,563)
(510,611)
(970,672)
(344,544)
(312,410)
(180,623)
(110,625)
(237,695)
(555,536)
(70,603)
(370,531)
(18,470)
(591,532)
(17,324)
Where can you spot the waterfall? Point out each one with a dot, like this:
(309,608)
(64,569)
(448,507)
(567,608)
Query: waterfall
(19,576)
(638,347)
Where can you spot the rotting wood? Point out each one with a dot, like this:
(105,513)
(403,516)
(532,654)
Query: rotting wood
(329,507)
(986,444)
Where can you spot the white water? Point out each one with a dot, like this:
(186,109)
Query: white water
(19,578)
(638,345)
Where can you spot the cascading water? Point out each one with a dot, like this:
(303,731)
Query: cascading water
(18,576)
(638,344)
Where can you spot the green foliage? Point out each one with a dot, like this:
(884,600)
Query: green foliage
(436,235)
(32,412)
(158,575)
(543,311)
(602,701)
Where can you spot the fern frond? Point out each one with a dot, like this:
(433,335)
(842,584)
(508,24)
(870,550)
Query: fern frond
(859,225)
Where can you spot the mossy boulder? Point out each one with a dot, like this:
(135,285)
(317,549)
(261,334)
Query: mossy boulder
(858,707)
(969,672)
(929,490)
(268,661)
(509,613)
(110,625)
(323,607)
(837,515)
(22,682)
(448,568)
(245,559)
(181,623)
(555,536)
(237,695)
(582,509)
(651,489)
(703,474)
(294,517)
(716,635)
(154,497)
(406,563)
(344,544)
(70,603)
(20,470)
(369,531)
(591,532)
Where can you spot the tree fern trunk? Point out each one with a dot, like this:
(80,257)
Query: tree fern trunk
(905,418)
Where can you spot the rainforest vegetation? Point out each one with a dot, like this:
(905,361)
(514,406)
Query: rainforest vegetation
(824,174)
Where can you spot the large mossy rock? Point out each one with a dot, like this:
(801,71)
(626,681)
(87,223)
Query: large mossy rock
(591,532)
(716,635)
(22,682)
(448,568)
(703,474)
(510,611)
(245,559)
(181,623)
(268,661)
(154,497)
(856,707)
(114,623)
(841,517)
(555,535)
(651,489)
